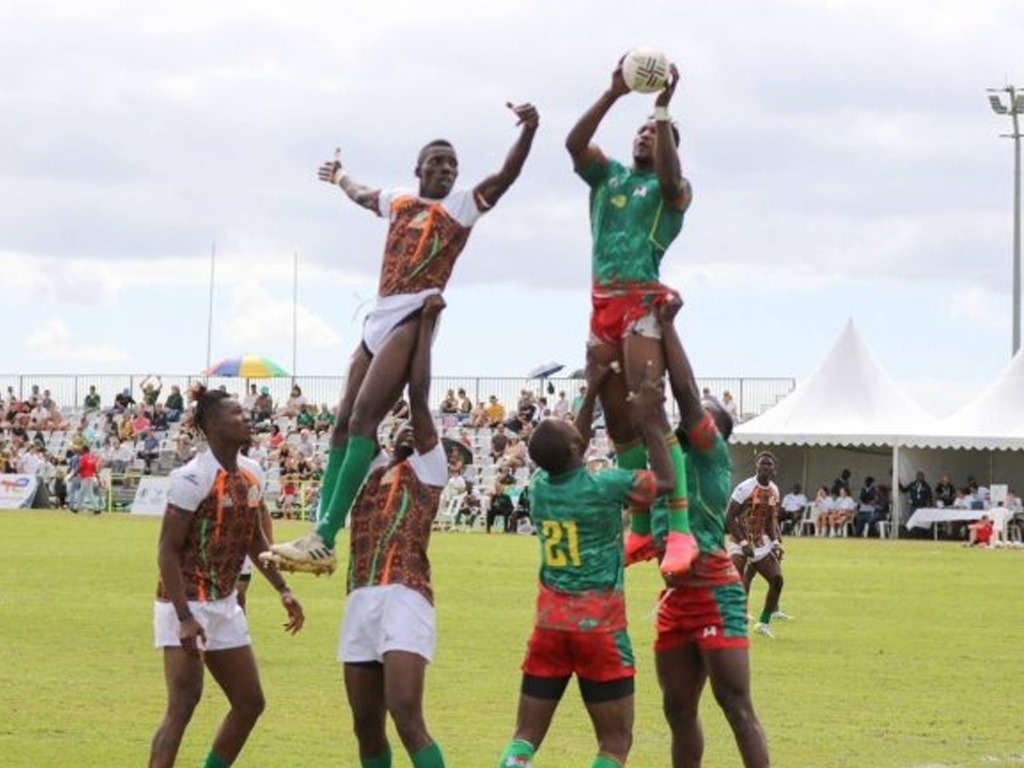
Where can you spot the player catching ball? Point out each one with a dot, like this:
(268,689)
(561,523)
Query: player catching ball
(635,213)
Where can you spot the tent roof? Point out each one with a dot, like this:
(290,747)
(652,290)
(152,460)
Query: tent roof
(848,400)
(994,419)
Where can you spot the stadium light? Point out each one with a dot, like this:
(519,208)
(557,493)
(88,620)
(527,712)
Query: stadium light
(1014,110)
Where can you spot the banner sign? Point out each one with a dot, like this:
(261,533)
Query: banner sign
(151,496)
(17,491)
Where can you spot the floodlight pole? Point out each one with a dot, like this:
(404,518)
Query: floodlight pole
(1014,110)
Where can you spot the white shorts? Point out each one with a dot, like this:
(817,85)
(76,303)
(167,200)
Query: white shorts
(223,621)
(762,549)
(388,315)
(388,618)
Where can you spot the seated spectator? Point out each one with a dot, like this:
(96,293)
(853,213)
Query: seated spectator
(450,405)
(478,416)
(150,451)
(465,405)
(469,510)
(514,455)
(324,420)
(821,511)
(295,402)
(865,518)
(495,412)
(501,502)
(561,407)
(945,492)
(60,489)
(125,430)
(730,406)
(275,440)
(160,418)
(964,499)
(249,403)
(175,404)
(522,522)
(47,401)
(843,511)
(306,418)
(499,441)
(980,534)
(123,400)
(141,423)
(92,400)
(305,446)
(792,509)
(264,408)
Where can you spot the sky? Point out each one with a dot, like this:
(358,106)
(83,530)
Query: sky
(844,159)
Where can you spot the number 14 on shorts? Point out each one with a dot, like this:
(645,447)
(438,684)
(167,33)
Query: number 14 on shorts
(561,543)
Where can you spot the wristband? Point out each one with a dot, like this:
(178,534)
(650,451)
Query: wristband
(661,114)
(339,175)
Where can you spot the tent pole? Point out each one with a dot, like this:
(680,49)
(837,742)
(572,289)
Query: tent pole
(895,514)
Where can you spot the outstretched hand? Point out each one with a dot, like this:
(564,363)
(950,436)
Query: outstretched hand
(528,115)
(618,86)
(331,170)
(666,93)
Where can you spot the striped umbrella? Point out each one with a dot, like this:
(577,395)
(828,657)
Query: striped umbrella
(247,367)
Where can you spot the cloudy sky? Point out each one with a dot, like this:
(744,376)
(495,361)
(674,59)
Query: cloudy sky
(844,158)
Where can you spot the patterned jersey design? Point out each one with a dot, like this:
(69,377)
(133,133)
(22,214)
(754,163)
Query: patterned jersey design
(225,516)
(760,507)
(425,238)
(391,522)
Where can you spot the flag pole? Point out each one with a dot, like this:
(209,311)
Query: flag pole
(295,313)
(209,315)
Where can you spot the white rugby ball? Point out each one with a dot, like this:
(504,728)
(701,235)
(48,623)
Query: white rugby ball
(645,70)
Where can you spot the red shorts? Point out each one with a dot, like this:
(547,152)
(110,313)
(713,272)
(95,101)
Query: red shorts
(595,656)
(615,311)
(712,618)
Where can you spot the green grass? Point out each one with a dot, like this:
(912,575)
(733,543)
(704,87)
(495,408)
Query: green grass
(901,655)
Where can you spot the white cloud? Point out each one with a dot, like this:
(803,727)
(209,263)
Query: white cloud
(981,307)
(258,320)
(53,341)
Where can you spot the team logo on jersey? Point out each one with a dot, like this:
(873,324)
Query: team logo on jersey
(619,201)
(640,192)
(711,631)
(254,495)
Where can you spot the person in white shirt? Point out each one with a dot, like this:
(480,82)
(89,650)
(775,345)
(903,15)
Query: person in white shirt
(821,511)
(792,511)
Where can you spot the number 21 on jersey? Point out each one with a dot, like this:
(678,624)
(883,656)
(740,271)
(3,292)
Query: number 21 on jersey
(561,543)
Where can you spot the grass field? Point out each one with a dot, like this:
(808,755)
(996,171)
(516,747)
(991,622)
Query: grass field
(901,654)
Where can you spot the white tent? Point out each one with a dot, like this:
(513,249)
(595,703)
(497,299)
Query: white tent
(848,414)
(983,440)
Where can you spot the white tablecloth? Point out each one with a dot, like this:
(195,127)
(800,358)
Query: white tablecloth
(928,516)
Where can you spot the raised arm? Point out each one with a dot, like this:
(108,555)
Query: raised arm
(490,190)
(674,188)
(423,429)
(596,374)
(578,141)
(332,172)
(680,371)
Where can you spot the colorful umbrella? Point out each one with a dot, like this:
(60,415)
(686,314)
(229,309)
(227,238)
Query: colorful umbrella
(247,367)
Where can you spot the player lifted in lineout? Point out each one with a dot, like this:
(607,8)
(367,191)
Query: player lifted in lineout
(427,231)
(635,213)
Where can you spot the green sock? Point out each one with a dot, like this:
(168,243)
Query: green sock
(335,458)
(766,617)
(517,750)
(635,457)
(383,760)
(605,761)
(428,757)
(358,457)
(213,760)
(678,510)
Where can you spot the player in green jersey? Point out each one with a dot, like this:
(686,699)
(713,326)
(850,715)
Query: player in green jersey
(702,621)
(635,213)
(581,613)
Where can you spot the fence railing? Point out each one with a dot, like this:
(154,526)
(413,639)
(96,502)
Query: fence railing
(752,395)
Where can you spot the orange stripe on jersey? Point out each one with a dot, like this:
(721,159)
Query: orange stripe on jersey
(428,228)
(220,484)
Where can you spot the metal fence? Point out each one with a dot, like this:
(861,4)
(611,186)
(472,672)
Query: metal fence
(753,395)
